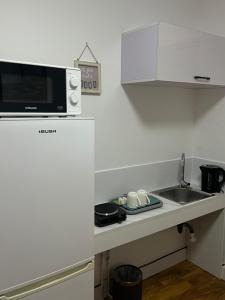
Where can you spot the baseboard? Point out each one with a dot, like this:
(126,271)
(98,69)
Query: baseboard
(223,273)
(164,263)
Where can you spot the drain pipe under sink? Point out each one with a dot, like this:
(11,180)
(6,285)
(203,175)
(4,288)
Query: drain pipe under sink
(192,238)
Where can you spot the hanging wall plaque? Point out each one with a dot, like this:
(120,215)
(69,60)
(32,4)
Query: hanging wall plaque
(90,74)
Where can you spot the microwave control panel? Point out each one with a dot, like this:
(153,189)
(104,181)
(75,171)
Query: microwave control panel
(73,91)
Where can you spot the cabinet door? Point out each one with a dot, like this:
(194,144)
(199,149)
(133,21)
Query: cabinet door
(211,59)
(139,55)
(177,53)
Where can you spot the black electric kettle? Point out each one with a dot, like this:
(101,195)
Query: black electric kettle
(213,178)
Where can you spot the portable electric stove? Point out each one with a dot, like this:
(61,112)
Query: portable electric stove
(108,213)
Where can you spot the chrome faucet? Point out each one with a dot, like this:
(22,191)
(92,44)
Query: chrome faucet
(183,183)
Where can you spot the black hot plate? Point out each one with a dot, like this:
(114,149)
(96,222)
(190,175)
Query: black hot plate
(108,213)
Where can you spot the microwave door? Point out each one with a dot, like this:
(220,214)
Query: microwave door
(32,88)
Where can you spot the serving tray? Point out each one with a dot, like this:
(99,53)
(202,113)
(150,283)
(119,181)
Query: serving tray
(155,203)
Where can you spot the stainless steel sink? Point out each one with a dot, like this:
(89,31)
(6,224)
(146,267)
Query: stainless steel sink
(182,195)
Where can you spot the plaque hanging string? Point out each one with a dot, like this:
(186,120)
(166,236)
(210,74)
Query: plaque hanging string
(88,48)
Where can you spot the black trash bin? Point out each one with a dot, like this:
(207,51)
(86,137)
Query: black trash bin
(127,283)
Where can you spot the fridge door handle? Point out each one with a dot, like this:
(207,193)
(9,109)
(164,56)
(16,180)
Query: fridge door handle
(47,283)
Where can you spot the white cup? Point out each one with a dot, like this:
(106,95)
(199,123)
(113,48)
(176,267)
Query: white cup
(122,200)
(143,196)
(133,200)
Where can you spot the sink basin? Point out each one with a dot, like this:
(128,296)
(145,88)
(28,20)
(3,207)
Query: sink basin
(182,195)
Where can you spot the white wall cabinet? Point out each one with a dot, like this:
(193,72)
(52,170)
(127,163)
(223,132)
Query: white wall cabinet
(165,54)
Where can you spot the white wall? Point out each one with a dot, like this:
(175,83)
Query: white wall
(133,126)
(209,140)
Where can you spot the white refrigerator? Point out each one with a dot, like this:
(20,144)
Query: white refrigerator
(47,209)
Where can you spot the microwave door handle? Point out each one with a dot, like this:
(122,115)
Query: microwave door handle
(47,283)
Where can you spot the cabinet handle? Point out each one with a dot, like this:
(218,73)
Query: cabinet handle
(202,77)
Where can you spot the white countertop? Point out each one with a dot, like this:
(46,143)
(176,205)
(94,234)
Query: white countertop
(144,224)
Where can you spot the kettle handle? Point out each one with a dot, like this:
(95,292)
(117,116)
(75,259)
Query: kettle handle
(222,171)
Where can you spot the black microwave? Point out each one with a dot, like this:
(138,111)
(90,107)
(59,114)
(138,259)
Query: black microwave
(28,89)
